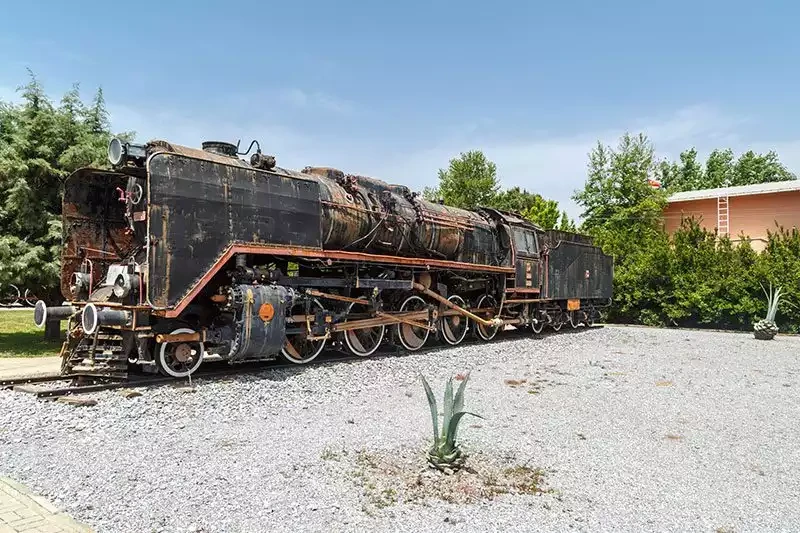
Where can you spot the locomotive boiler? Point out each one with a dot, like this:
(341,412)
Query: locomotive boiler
(177,255)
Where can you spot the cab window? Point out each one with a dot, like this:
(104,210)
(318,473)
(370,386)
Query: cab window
(525,242)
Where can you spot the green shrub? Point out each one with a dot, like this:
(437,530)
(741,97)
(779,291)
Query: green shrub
(695,279)
(445,454)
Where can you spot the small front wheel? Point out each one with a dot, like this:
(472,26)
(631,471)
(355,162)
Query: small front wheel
(180,359)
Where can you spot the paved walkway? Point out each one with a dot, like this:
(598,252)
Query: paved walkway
(24,367)
(23,511)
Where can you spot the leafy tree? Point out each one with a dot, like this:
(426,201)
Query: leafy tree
(722,170)
(756,168)
(566,223)
(623,214)
(620,208)
(534,207)
(516,200)
(543,213)
(470,181)
(693,277)
(40,145)
(719,169)
(684,176)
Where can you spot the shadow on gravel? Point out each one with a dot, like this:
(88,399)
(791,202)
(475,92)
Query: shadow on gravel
(279,370)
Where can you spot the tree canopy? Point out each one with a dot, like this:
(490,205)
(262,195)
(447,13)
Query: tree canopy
(722,169)
(41,143)
(470,181)
(620,207)
(692,277)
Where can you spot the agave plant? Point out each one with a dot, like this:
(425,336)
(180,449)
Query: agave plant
(445,454)
(766,328)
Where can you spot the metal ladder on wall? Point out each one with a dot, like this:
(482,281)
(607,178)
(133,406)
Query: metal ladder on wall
(723,226)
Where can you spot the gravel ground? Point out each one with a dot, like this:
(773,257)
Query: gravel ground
(636,429)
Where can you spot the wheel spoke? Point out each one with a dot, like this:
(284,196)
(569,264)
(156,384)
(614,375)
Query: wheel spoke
(365,341)
(486,333)
(180,359)
(412,337)
(454,328)
(298,348)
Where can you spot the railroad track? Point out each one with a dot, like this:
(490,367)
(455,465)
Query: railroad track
(65,385)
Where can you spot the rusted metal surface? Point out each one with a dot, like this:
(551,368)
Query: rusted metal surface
(577,270)
(337,297)
(401,319)
(527,273)
(385,319)
(370,215)
(181,337)
(530,290)
(95,232)
(444,301)
(197,209)
(321,254)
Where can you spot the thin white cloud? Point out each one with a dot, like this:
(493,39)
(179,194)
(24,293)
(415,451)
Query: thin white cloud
(149,124)
(316,100)
(555,166)
(551,165)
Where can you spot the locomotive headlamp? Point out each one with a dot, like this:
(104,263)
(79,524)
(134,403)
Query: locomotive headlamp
(120,153)
(116,152)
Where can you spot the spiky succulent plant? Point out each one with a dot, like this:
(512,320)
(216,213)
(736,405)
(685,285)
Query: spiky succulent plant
(445,454)
(766,329)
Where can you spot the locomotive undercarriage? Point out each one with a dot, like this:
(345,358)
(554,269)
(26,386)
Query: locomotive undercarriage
(259,310)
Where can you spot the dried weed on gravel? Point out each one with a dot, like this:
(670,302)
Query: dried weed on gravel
(402,476)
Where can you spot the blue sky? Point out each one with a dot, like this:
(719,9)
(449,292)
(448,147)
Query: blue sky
(394,90)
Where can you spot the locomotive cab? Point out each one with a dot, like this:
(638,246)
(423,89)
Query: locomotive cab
(527,263)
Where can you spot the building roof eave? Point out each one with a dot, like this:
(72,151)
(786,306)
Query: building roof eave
(741,190)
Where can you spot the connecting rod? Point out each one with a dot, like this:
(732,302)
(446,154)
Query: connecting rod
(493,322)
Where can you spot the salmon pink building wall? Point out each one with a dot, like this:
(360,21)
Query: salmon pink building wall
(705,211)
(751,214)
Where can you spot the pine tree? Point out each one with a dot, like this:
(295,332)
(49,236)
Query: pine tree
(40,145)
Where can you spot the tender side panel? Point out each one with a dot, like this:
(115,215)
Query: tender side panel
(198,209)
(579,271)
(93,224)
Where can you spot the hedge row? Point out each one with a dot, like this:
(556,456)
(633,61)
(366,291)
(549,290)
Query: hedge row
(696,279)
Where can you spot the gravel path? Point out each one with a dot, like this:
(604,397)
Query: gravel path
(636,429)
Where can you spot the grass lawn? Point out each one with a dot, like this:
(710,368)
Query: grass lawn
(20,338)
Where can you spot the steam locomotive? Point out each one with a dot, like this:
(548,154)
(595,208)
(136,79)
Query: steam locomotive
(177,255)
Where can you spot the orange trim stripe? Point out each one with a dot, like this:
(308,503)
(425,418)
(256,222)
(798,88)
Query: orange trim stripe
(317,253)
